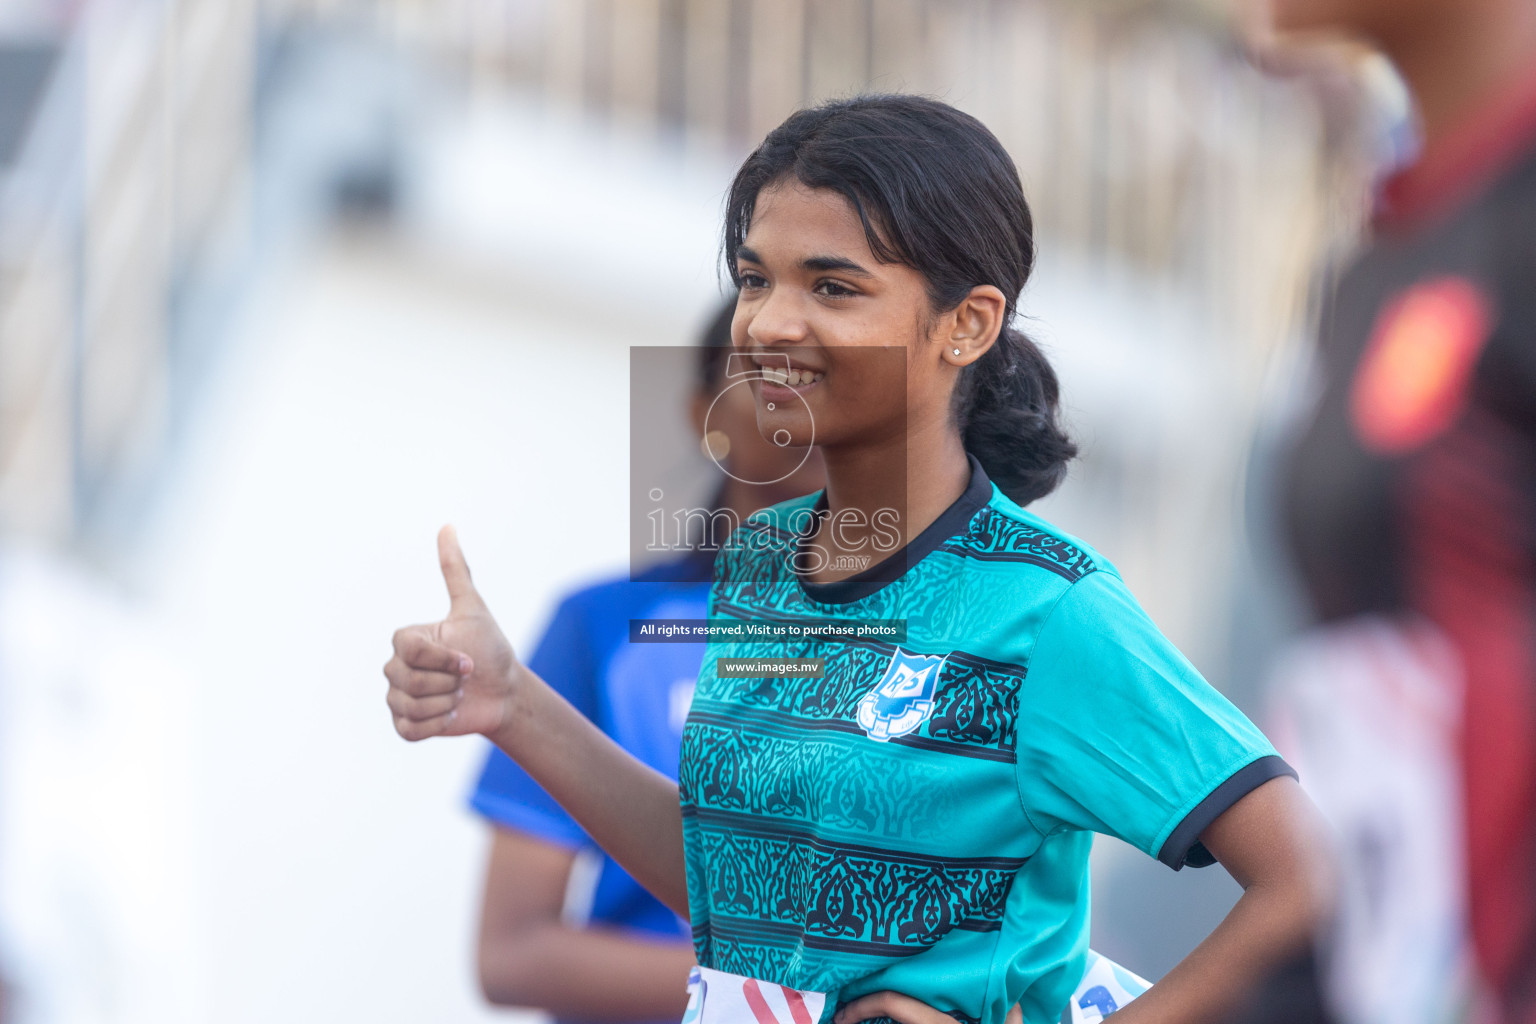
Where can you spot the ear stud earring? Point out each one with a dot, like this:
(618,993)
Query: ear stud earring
(957,351)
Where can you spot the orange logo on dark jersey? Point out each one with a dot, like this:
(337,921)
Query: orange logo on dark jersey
(1412,381)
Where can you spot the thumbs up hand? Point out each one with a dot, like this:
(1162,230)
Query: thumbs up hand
(457,676)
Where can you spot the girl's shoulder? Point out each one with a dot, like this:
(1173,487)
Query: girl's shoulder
(1003,530)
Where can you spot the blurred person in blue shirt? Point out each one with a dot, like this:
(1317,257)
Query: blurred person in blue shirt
(613,952)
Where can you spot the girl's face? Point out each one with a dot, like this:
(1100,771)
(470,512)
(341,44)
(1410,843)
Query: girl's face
(847,348)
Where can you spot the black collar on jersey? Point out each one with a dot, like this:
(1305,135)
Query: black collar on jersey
(951,521)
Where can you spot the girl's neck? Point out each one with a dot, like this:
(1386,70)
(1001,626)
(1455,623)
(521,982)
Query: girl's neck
(918,474)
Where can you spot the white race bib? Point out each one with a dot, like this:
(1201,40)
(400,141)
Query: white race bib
(1105,988)
(715,997)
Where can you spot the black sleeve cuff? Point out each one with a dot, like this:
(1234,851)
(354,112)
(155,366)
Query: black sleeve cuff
(1183,844)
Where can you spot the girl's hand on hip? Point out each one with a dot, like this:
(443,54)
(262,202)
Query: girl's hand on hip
(457,676)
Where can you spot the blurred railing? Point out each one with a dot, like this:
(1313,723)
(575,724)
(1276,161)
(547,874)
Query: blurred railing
(131,171)
(1143,134)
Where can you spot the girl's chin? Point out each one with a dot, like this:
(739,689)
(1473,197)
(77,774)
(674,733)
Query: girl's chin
(786,438)
(792,424)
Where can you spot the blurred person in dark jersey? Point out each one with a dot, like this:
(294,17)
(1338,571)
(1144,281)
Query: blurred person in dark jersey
(1409,505)
(622,955)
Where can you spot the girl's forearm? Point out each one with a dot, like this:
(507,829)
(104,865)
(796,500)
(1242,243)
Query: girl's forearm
(628,808)
(589,974)
(1269,925)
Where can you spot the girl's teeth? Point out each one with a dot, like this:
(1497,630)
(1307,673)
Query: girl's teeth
(790,378)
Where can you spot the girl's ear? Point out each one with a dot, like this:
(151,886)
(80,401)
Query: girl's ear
(975,325)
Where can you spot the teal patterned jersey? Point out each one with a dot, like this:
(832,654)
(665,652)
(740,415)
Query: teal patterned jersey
(920,817)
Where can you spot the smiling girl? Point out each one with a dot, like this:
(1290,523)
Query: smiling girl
(909,831)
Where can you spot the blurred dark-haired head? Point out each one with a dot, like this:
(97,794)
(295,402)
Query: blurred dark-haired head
(715,348)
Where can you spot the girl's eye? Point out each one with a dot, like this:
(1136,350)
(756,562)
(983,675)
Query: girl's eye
(834,289)
(750,280)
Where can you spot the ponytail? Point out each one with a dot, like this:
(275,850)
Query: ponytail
(1007,405)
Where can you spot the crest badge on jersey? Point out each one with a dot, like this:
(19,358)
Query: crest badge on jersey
(903,698)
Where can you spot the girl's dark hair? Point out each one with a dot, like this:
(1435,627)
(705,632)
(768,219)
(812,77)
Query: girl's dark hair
(936,192)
